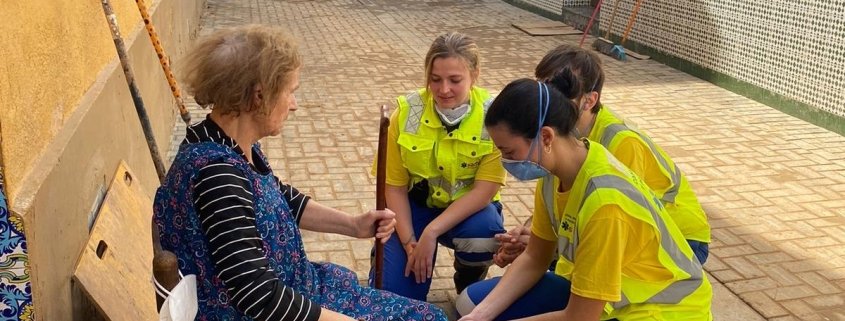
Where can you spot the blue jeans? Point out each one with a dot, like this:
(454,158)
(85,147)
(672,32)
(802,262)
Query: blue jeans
(549,294)
(473,241)
(701,250)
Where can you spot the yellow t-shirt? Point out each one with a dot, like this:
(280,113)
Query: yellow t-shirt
(632,151)
(612,243)
(638,157)
(490,169)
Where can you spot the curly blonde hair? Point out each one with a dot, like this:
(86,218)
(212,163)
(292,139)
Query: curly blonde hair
(224,68)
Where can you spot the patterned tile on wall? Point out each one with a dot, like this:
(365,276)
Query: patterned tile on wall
(15,284)
(574,3)
(792,48)
(552,6)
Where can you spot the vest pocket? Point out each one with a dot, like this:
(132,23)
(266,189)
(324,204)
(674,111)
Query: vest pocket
(417,155)
(469,158)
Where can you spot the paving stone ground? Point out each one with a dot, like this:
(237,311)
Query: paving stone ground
(773,185)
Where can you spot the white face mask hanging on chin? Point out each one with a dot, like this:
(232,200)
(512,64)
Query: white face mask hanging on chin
(453,116)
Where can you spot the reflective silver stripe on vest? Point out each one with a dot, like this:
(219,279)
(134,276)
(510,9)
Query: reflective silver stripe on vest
(564,246)
(412,123)
(674,173)
(484,134)
(449,188)
(677,291)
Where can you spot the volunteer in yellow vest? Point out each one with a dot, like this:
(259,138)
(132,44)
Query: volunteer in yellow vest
(621,256)
(630,146)
(443,174)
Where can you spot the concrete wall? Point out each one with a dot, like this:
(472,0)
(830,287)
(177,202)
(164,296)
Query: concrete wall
(52,52)
(68,120)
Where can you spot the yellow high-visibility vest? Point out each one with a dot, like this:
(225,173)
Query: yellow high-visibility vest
(610,182)
(679,198)
(448,161)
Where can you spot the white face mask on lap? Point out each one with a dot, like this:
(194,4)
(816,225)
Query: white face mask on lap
(180,304)
(453,116)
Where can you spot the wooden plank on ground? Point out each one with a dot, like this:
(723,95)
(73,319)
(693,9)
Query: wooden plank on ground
(552,28)
(541,24)
(115,266)
(636,55)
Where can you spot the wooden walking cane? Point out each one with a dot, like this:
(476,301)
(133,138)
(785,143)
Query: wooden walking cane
(381,202)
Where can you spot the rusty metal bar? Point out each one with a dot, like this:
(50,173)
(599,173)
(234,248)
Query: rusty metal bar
(133,89)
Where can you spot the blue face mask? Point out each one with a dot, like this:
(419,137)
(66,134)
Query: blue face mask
(526,170)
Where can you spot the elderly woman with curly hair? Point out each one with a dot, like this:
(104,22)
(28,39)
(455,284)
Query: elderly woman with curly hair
(233,223)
